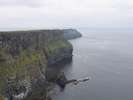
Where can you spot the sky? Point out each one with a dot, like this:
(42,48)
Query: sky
(24,14)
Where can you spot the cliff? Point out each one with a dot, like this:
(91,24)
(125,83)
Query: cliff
(24,57)
(71,34)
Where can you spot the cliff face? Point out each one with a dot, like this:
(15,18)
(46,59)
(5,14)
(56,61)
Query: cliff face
(24,57)
(71,34)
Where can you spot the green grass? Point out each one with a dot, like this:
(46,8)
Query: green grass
(18,66)
(54,46)
(10,66)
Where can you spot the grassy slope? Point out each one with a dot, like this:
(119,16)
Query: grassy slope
(18,66)
(53,46)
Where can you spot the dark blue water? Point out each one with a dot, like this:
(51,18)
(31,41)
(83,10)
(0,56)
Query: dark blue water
(108,58)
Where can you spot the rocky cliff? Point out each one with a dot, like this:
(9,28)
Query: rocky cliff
(24,57)
(71,34)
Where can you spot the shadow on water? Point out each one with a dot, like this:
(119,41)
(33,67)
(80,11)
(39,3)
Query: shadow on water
(54,70)
(55,73)
(61,64)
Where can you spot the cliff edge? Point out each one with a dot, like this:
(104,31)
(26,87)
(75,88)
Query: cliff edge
(24,57)
(71,34)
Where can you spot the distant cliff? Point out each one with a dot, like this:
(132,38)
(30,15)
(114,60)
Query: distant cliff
(71,34)
(24,57)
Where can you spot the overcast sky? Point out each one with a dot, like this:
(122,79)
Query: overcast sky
(65,13)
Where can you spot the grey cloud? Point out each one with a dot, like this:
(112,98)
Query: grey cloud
(62,13)
(28,3)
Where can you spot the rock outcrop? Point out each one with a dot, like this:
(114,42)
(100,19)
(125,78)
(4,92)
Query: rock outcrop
(24,57)
(71,34)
